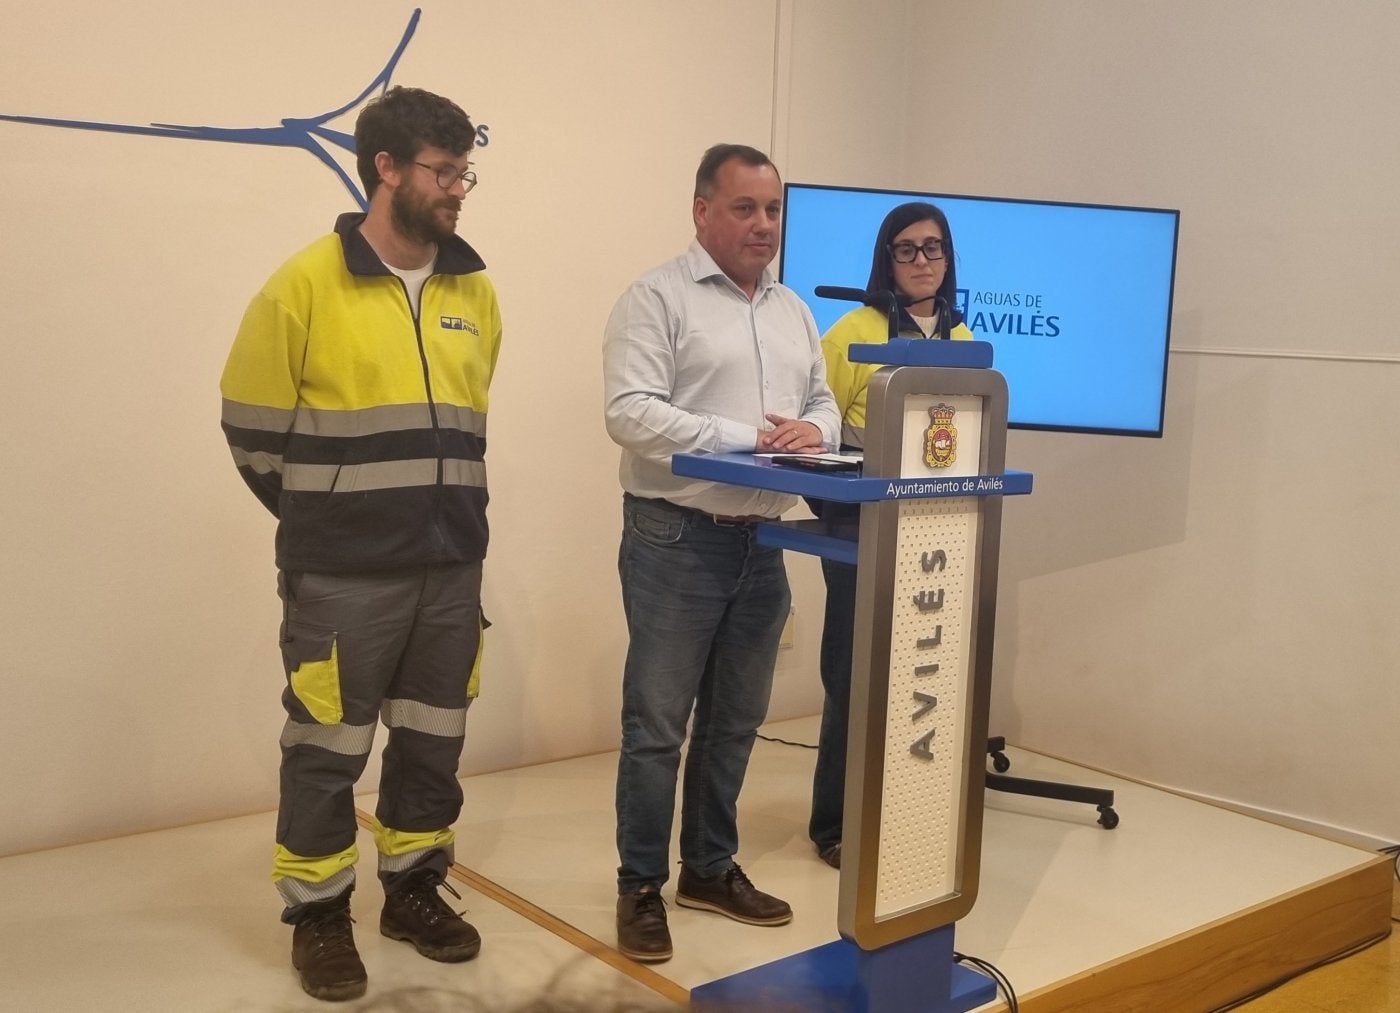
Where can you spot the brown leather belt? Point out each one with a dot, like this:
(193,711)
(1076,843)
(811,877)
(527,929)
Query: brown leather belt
(723,520)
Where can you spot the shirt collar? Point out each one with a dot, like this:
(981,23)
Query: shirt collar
(703,266)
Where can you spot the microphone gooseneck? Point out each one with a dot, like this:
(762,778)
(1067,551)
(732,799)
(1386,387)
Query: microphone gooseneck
(945,315)
(879,299)
(840,292)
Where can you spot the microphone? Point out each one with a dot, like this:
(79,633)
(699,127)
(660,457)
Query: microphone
(838,292)
(881,300)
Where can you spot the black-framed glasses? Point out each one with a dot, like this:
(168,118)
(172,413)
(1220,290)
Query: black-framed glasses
(905,253)
(448,175)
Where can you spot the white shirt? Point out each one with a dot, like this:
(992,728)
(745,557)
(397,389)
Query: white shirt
(413,281)
(691,365)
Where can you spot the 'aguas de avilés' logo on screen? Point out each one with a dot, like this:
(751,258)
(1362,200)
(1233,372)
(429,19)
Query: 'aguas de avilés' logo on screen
(941,437)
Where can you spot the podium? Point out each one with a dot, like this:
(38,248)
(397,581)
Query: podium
(930,490)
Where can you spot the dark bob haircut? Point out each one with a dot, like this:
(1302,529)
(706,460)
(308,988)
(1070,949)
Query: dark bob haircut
(882,264)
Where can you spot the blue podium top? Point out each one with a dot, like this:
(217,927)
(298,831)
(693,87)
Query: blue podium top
(843,487)
(923,352)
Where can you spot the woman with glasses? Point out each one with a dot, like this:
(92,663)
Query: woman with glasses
(913,259)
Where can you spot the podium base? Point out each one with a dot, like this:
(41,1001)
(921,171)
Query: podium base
(915,975)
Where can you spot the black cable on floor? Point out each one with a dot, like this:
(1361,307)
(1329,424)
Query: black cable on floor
(785,742)
(991,971)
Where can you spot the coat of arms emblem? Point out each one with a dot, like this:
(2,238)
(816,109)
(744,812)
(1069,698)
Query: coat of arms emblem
(941,437)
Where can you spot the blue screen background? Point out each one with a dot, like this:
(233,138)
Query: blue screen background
(1075,299)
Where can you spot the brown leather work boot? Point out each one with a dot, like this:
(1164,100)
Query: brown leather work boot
(417,914)
(324,954)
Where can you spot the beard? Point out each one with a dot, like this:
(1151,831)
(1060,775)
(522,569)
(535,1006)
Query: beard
(419,220)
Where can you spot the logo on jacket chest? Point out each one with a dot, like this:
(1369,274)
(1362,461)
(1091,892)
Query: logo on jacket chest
(458,324)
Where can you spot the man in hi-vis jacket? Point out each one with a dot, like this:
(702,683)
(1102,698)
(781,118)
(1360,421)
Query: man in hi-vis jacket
(354,400)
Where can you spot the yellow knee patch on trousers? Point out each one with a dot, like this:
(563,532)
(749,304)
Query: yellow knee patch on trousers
(317,685)
(474,680)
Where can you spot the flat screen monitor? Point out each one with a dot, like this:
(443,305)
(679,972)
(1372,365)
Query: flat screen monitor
(1075,299)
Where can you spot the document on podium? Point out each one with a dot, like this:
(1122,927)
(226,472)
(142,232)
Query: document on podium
(817,462)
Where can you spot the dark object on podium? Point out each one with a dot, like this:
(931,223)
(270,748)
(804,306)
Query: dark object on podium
(817,462)
(1102,798)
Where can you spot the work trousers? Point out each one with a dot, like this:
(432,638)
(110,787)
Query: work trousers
(399,646)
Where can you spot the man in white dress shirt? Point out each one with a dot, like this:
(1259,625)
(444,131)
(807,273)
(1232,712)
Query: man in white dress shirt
(706,353)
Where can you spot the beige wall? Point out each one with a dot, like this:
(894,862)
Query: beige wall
(1199,610)
(1216,610)
(138,608)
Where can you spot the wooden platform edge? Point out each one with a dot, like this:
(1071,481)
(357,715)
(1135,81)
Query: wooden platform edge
(640,973)
(1235,956)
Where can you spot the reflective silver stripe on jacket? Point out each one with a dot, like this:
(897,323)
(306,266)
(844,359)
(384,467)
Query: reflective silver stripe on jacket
(352,422)
(252,416)
(385,419)
(381,475)
(260,461)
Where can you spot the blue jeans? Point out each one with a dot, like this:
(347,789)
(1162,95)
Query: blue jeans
(829,781)
(705,607)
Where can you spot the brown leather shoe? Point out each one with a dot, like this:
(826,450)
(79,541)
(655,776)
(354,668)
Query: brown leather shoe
(831,856)
(417,914)
(324,954)
(641,926)
(732,895)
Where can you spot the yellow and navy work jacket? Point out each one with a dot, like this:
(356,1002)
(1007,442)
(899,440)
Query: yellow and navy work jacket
(361,428)
(850,381)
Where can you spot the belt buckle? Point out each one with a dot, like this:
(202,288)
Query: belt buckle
(730,522)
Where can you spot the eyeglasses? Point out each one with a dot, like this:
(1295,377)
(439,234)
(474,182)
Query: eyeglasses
(447,175)
(906,253)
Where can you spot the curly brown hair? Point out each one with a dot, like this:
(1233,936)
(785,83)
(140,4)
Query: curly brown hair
(403,122)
